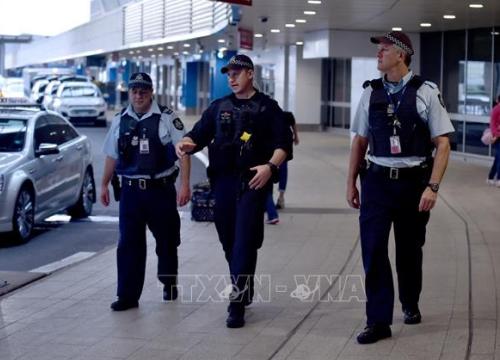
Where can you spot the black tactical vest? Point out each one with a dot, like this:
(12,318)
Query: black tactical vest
(413,132)
(234,147)
(135,156)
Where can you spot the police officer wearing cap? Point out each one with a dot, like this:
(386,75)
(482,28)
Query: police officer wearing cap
(140,147)
(247,139)
(402,122)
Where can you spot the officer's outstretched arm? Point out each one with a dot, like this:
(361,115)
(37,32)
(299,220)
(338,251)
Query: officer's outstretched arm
(358,152)
(185,192)
(184,146)
(109,169)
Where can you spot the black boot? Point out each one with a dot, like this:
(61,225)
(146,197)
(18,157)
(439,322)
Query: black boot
(374,333)
(124,304)
(236,318)
(169,292)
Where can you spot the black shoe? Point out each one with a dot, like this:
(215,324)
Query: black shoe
(122,304)
(169,293)
(412,317)
(245,303)
(236,318)
(374,333)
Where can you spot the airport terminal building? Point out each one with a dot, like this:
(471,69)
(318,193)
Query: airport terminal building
(311,56)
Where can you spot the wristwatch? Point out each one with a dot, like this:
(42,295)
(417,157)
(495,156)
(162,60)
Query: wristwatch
(274,168)
(434,187)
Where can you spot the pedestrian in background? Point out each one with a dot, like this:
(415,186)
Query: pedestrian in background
(272,214)
(494,175)
(401,119)
(140,147)
(247,141)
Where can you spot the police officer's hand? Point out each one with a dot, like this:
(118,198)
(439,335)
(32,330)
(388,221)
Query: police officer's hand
(183,195)
(184,146)
(261,177)
(104,195)
(428,200)
(353,197)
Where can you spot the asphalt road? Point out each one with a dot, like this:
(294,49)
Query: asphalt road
(56,240)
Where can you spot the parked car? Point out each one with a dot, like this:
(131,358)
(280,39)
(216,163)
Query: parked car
(13,88)
(38,89)
(45,168)
(80,102)
(49,94)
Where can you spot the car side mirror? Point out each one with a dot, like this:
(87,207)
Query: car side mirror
(46,149)
(39,100)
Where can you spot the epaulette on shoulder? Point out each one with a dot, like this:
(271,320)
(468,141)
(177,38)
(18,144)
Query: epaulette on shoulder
(430,84)
(166,110)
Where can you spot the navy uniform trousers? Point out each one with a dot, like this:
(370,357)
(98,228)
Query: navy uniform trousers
(239,220)
(384,202)
(155,207)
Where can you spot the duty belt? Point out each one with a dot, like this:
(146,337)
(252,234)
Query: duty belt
(395,173)
(144,184)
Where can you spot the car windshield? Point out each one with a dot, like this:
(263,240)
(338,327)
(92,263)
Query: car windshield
(74,91)
(12,135)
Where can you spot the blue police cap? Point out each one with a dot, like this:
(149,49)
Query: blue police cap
(140,80)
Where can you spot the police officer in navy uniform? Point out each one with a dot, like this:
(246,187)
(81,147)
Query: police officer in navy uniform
(140,147)
(401,119)
(247,139)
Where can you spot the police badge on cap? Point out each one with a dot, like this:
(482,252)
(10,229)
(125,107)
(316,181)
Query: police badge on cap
(239,61)
(140,80)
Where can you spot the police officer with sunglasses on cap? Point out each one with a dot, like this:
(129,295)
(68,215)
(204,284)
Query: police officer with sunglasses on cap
(402,121)
(140,147)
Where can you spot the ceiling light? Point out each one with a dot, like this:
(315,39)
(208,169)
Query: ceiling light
(299,43)
(176,53)
(449,17)
(396,28)
(476,6)
(153,55)
(187,45)
(301,21)
(185,52)
(131,52)
(290,25)
(159,48)
(315,2)
(425,24)
(170,47)
(151,49)
(275,30)
(222,41)
(308,12)
(258,35)
(160,55)
(495,33)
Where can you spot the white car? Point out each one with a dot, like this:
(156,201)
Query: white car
(45,168)
(80,102)
(13,88)
(50,93)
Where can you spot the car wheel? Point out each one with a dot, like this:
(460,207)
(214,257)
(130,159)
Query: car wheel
(83,206)
(24,215)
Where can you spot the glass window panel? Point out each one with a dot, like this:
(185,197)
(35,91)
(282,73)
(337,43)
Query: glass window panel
(456,138)
(430,56)
(473,144)
(477,100)
(453,68)
(496,64)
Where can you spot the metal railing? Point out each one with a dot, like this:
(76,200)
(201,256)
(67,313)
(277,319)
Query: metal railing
(159,19)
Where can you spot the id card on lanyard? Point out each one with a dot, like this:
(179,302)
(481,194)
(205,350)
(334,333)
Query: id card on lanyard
(392,109)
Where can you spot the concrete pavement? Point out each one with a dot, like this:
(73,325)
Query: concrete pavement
(310,285)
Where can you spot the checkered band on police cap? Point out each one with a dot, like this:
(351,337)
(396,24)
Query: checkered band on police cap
(397,38)
(238,62)
(141,80)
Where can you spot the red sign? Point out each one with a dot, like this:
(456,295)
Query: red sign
(246,39)
(241,2)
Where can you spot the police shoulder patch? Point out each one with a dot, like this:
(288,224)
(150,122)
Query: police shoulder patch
(178,124)
(168,111)
(441,100)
